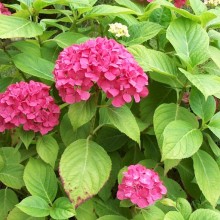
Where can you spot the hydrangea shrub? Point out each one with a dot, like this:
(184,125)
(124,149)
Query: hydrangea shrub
(109,110)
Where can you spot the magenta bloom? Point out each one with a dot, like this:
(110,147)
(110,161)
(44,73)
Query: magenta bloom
(179,3)
(141,186)
(100,61)
(4,10)
(30,105)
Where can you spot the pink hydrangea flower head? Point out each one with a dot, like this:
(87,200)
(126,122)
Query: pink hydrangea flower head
(141,186)
(30,105)
(179,3)
(100,61)
(4,10)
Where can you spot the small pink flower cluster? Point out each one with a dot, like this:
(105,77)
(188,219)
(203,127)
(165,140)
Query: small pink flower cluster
(141,185)
(100,61)
(30,105)
(4,10)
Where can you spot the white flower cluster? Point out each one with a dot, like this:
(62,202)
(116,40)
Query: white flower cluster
(119,29)
(212,2)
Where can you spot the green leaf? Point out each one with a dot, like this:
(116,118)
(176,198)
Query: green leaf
(185,169)
(200,82)
(214,124)
(205,214)
(198,6)
(112,217)
(62,209)
(26,137)
(82,112)
(131,5)
(11,174)
(167,113)
(215,148)
(40,180)
(86,211)
(169,164)
(34,66)
(111,139)
(174,190)
(6,81)
(47,148)
(8,199)
(163,67)
(103,10)
(173,215)
(17,214)
(66,39)
(123,119)
(190,41)
(207,175)
(159,93)
(184,207)
(153,213)
(215,53)
(11,27)
(2,163)
(28,47)
(181,140)
(161,16)
(205,109)
(84,169)
(142,32)
(34,206)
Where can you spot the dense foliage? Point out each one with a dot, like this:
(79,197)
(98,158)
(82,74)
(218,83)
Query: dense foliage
(109,110)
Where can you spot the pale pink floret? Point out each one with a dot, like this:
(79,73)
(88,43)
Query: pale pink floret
(141,186)
(4,10)
(30,105)
(100,61)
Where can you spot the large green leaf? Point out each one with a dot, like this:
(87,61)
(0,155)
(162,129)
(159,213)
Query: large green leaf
(214,124)
(185,169)
(84,169)
(164,68)
(152,213)
(181,140)
(167,113)
(103,10)
(131,5)
(62,209)
(142,32)
(215,148)
(112,217)
(198,6)
(173,215)
(200,82)
(205,109)
(205,214)
(17,214)
(214,54)
(159,93)
(11,27)
(34,66)
(8,199)
(123,119)
(66,39)
(40,180)
(47,148)
(184,207)
(11,173)
(207,175)
(190,40)
(34,206)
(82,112)
(86,211)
